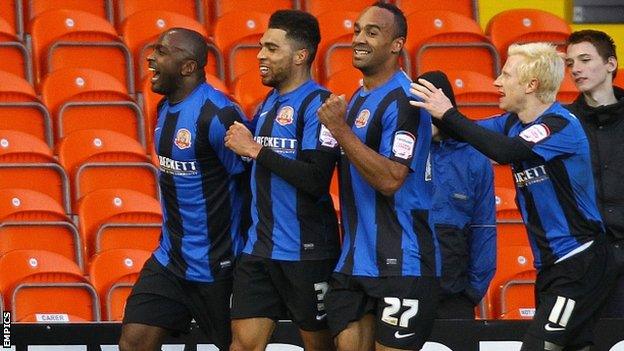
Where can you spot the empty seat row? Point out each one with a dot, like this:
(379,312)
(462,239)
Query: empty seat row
(55,33)
(40,286)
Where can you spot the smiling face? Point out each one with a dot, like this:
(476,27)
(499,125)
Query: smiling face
(373,42)
(511,90)
(589,71)
(165,62)
(276,58)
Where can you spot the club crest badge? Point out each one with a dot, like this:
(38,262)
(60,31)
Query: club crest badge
(362,119)
(285,115)
(183,139)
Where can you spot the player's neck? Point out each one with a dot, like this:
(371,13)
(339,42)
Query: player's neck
(532,110)
(185,89)
(294,81)
(372,80)
(602,95)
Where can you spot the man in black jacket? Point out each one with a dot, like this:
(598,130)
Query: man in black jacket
(592,63)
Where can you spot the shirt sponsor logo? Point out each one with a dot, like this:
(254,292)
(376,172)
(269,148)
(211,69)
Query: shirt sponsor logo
(531,176)
(535,133)
(403,145)
(183,139)
(362,119)
(174,167)
(280,145)
(326,138)
(285,115)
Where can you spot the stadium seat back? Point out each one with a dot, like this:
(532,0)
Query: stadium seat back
(47,179)
(250,92)
(438,38)
(525,26)
(465,8)
(238,35)
(16,59)
(475,94)
(20,147)
(69,38)
(113,273)
(114,206)
(54,236)
(42,282)
(346,82)
(142,29)
(192,9)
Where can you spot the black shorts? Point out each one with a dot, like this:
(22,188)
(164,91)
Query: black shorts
(570,294)
(281,289)
(404,307)
(161,299)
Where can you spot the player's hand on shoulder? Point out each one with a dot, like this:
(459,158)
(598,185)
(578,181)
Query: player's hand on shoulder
(432,99)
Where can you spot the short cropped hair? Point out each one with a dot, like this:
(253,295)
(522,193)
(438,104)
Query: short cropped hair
(194,43)
(400,23)
(299,26)
(542,62)
(604,44)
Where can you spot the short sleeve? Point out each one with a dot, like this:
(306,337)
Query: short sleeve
(400,127)
(554,136)
(315,135)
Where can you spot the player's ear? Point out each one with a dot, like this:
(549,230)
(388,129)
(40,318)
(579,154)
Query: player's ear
(301,56)
(397,45)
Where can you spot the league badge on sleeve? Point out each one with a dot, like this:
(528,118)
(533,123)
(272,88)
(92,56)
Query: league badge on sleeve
(403,145)
(535,133)
(326,138)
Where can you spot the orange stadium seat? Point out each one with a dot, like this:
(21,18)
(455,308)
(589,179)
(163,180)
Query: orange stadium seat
(141,30)
(21,110)
(237,34)
(346,82)
(18,204)
(567,92)
(462,7)
(218,8)
(334,50)
(525,26)
(101,159)
(513,266)
(619,78)
(107,218)
(438,38)
(514,270)
(48,179)
(475,94)
(151,99)
(43,286)
(113,273)
(100,8)
(15,55)
(16,146)
(506,208)
(54,236)
(503,176)
(193,9)
(249,92)
(91,99)
(73,39)
(321,7)
(11,12)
